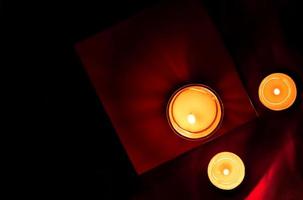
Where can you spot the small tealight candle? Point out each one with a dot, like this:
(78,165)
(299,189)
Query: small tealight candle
(226,170)
(277,91)
(194,111)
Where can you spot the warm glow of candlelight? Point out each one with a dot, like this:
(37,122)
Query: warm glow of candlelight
(277,91)
(226,170)
(194,111)
(191,118)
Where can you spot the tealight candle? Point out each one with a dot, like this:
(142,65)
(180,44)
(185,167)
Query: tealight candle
(277,91)
(194,111)
(226,170)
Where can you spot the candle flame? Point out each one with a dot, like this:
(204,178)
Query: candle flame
(191,118)
(226,172)
(277,91)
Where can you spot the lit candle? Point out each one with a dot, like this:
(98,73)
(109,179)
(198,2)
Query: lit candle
(277,91)
(194,111)
(226,170)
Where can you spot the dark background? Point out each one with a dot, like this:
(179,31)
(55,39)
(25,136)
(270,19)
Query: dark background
(70,154)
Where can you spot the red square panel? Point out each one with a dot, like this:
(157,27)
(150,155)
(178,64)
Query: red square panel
(136,66)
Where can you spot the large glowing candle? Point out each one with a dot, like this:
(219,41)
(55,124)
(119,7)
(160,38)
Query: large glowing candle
(277,91)
(226,170)
(194,111)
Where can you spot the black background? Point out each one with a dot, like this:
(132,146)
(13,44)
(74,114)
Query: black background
(75,150)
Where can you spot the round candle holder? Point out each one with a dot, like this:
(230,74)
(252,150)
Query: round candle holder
(226,170)
(194,111)
(277,91)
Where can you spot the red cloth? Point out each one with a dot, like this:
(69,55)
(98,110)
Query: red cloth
(271,146)
(137,65)
(269,149)
(169,45)
(258,45)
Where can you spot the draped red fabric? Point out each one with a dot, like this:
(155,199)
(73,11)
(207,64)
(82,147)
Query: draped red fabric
(271,162)
(136,65)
